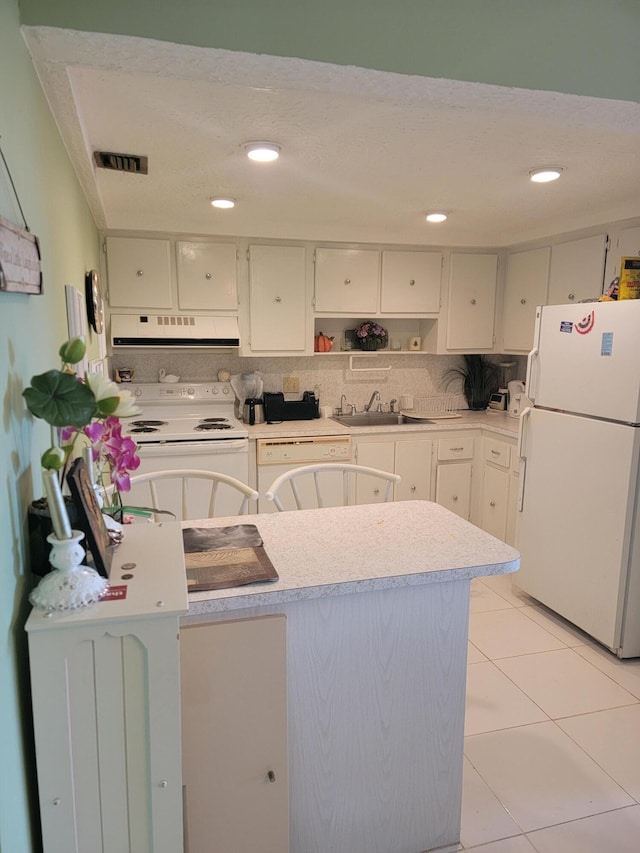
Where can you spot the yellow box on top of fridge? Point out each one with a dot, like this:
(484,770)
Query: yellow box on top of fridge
(629,287)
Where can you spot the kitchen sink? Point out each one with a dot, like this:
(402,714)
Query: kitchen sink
(366,419)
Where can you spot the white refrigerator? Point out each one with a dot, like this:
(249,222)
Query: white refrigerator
(578,527)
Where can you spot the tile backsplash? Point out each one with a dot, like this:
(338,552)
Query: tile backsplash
(328,376)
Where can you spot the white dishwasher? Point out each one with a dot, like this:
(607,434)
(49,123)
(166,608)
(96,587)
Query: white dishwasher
(276,456)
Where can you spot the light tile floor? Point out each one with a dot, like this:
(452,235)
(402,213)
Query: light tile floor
(552,733)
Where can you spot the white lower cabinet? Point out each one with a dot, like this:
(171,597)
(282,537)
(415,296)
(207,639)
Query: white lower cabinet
(454,473)
(499,488)
(410,458)
(234,736)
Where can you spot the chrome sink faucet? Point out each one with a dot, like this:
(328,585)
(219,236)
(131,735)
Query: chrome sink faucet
(345,408)
(375,396)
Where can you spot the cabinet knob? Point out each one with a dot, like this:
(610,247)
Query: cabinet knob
(454,498)
(412,282)
(413,488)
(473,301)
(571,296)
(492,503)
(271,776)
(208,276)
(347,281)
(139,273)
(523,302)
(163,784)
(376,491)
(278,299)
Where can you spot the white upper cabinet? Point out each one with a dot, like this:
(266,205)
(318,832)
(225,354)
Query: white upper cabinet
(577,270)
(277,299)
(347,281)
(207,276)
(410,282)
(525,288)
(472,302)
(139,272)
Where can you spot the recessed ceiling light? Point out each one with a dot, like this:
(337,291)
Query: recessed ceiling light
(262,152)
(223,203)
(436,216)
(543,176)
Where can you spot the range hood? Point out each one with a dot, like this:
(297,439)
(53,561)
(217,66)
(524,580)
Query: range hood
(185,331)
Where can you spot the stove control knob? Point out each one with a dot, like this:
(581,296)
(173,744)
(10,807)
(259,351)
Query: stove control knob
(190,392)
(225,390)
(137,392)
(214,390)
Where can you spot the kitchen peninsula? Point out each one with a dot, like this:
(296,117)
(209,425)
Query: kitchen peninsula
(364,638)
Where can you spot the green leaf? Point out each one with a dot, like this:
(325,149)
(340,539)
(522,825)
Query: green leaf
(60,399)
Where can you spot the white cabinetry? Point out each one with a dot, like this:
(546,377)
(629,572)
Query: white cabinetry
(277,297)
(207,276)
(525,288)
(106,707)
(347,281)
(453,473)
(410,282)
(410,458)
(139,272)
(472,302)
(577,270)
(234,735)
(499,488)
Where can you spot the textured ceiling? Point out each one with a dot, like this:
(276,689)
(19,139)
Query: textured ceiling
(364,153)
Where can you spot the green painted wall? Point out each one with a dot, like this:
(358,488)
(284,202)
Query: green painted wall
(31,330)
(584,47)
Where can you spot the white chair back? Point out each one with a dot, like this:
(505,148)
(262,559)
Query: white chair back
(319,474)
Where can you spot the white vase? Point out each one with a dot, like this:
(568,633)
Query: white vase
(71,584)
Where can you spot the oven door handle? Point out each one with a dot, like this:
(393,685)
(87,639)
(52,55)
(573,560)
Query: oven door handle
(187,448)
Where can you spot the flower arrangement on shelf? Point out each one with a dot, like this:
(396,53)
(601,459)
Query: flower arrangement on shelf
(371,335)
(89,407)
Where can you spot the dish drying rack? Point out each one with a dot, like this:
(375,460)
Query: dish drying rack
(429,408)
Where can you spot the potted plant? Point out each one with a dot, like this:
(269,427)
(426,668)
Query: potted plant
(480,378)
(371,336)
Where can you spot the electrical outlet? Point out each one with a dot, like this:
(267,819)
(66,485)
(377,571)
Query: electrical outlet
(291,385)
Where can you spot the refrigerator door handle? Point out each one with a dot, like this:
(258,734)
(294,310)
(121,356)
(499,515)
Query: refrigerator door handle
(524,417)
(532,361)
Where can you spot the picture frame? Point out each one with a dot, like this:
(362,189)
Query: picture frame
(90,516)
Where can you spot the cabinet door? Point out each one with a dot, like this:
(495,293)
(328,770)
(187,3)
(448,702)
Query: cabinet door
(577,270)
(472,301)
(139,273)
(375,454)
(413,464)
(410,282)
(207,276)
(277,298)
(234,735)
(453,487)
(494,501)
(525,289)
(347,280)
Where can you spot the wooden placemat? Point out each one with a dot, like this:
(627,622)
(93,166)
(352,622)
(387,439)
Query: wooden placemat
(224,557)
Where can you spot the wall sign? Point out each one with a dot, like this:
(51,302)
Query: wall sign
(20,270)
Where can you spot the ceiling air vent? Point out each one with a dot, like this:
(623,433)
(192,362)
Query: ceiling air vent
(121,162)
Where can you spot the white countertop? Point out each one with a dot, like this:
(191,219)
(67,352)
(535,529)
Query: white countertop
(499,422)
(337,551)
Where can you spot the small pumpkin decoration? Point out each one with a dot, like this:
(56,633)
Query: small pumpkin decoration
(322,343)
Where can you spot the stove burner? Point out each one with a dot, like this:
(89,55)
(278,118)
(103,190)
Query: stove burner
(146,428)
(205,426)
(148,423)
(213,421)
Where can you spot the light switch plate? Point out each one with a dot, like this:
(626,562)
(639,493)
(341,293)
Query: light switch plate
(291,385)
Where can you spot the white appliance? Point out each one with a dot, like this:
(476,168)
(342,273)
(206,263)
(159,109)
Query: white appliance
(184,331)
(579,509)
(277,456)
(188,425)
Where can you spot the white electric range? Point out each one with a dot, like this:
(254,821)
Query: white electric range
(187,425)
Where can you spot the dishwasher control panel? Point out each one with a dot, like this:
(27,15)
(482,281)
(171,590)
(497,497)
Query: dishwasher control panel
(318,448)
